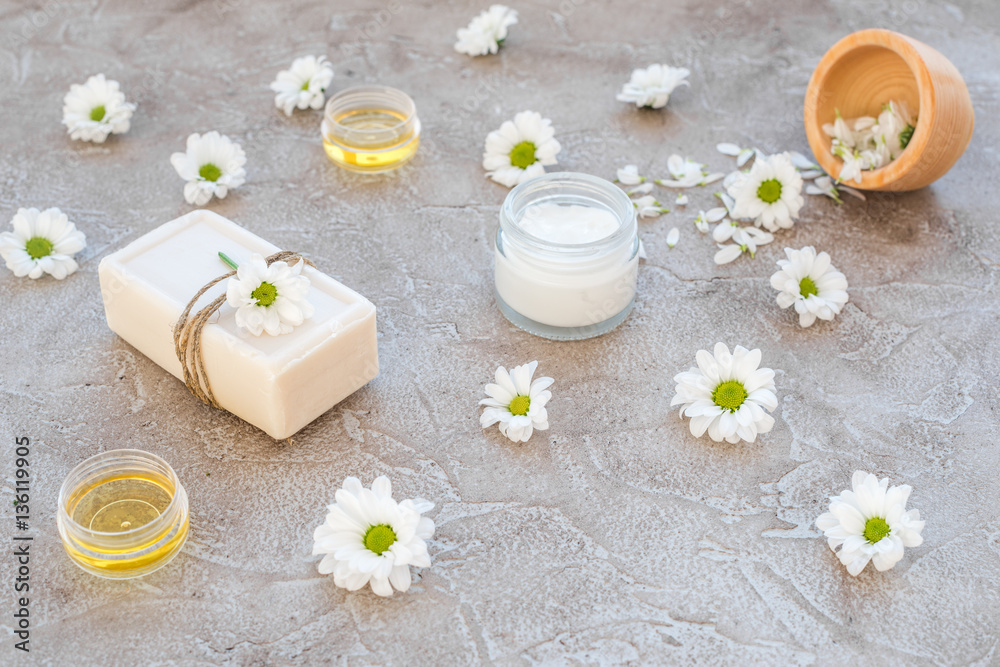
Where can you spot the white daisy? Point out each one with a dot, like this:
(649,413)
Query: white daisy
(870,522)
(269,298)
(520,149)
(517,402)
(651,87)
(771,194)
(304,85)
(727,395)
(369,538)
(96,109)
(42,242)
(485,33)
(809,281)
(648,207)
(212,165)
(629,175)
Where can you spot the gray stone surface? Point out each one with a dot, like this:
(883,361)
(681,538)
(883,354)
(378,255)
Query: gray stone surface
(614,537)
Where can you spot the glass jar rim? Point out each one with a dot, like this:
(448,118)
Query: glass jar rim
(345,99)
(110,455)
(518,199)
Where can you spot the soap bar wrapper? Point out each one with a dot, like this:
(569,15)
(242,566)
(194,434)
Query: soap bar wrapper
(277,383)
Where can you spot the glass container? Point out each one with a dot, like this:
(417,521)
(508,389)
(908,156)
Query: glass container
(122,514)
(577,287)
(370,129)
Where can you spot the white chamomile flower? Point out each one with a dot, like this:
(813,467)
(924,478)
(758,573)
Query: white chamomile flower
(520,149)
(370,539)
(96,109)
(870,522)
(651,87)
(673,236)
(811,283)
(629,175)
(648,207)
(727,395)
(212,166)
(770,195)
(269,298)
(42,242)
(517,402)
(485,33)
(304,85)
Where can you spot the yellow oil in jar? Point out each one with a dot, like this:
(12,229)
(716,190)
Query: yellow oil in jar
(363,140)
(116,507)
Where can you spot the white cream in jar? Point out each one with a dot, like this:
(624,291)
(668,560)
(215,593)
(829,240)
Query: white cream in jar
(566,256)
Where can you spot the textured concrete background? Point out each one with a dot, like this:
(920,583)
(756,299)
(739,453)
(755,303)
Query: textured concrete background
(613,538)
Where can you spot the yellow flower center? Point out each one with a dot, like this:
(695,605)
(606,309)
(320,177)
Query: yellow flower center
(210,172)
(875,529)
(729,395)
(520,405)
(38,247)
(379,538)
(523,155)
(265,294)
(97,113)
(807,287)
(769,191)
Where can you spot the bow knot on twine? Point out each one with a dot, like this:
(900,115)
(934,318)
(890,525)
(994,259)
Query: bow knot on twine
(188,331)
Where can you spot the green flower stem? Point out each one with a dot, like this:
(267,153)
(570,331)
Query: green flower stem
(229,262)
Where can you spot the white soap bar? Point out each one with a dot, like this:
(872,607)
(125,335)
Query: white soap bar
(277,383)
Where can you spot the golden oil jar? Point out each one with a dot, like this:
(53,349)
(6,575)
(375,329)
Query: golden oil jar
(122,514)
(370,129)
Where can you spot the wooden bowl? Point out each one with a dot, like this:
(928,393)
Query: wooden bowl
(868,68)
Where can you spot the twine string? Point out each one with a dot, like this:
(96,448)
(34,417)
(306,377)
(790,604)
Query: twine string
(188,332)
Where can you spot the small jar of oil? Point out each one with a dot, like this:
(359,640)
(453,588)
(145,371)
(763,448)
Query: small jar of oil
(370,128)
(122,514)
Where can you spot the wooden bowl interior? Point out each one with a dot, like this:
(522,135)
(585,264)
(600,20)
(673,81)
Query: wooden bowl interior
(862,81)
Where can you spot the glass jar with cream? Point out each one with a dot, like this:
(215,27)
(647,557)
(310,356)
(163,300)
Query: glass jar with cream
(567,256)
